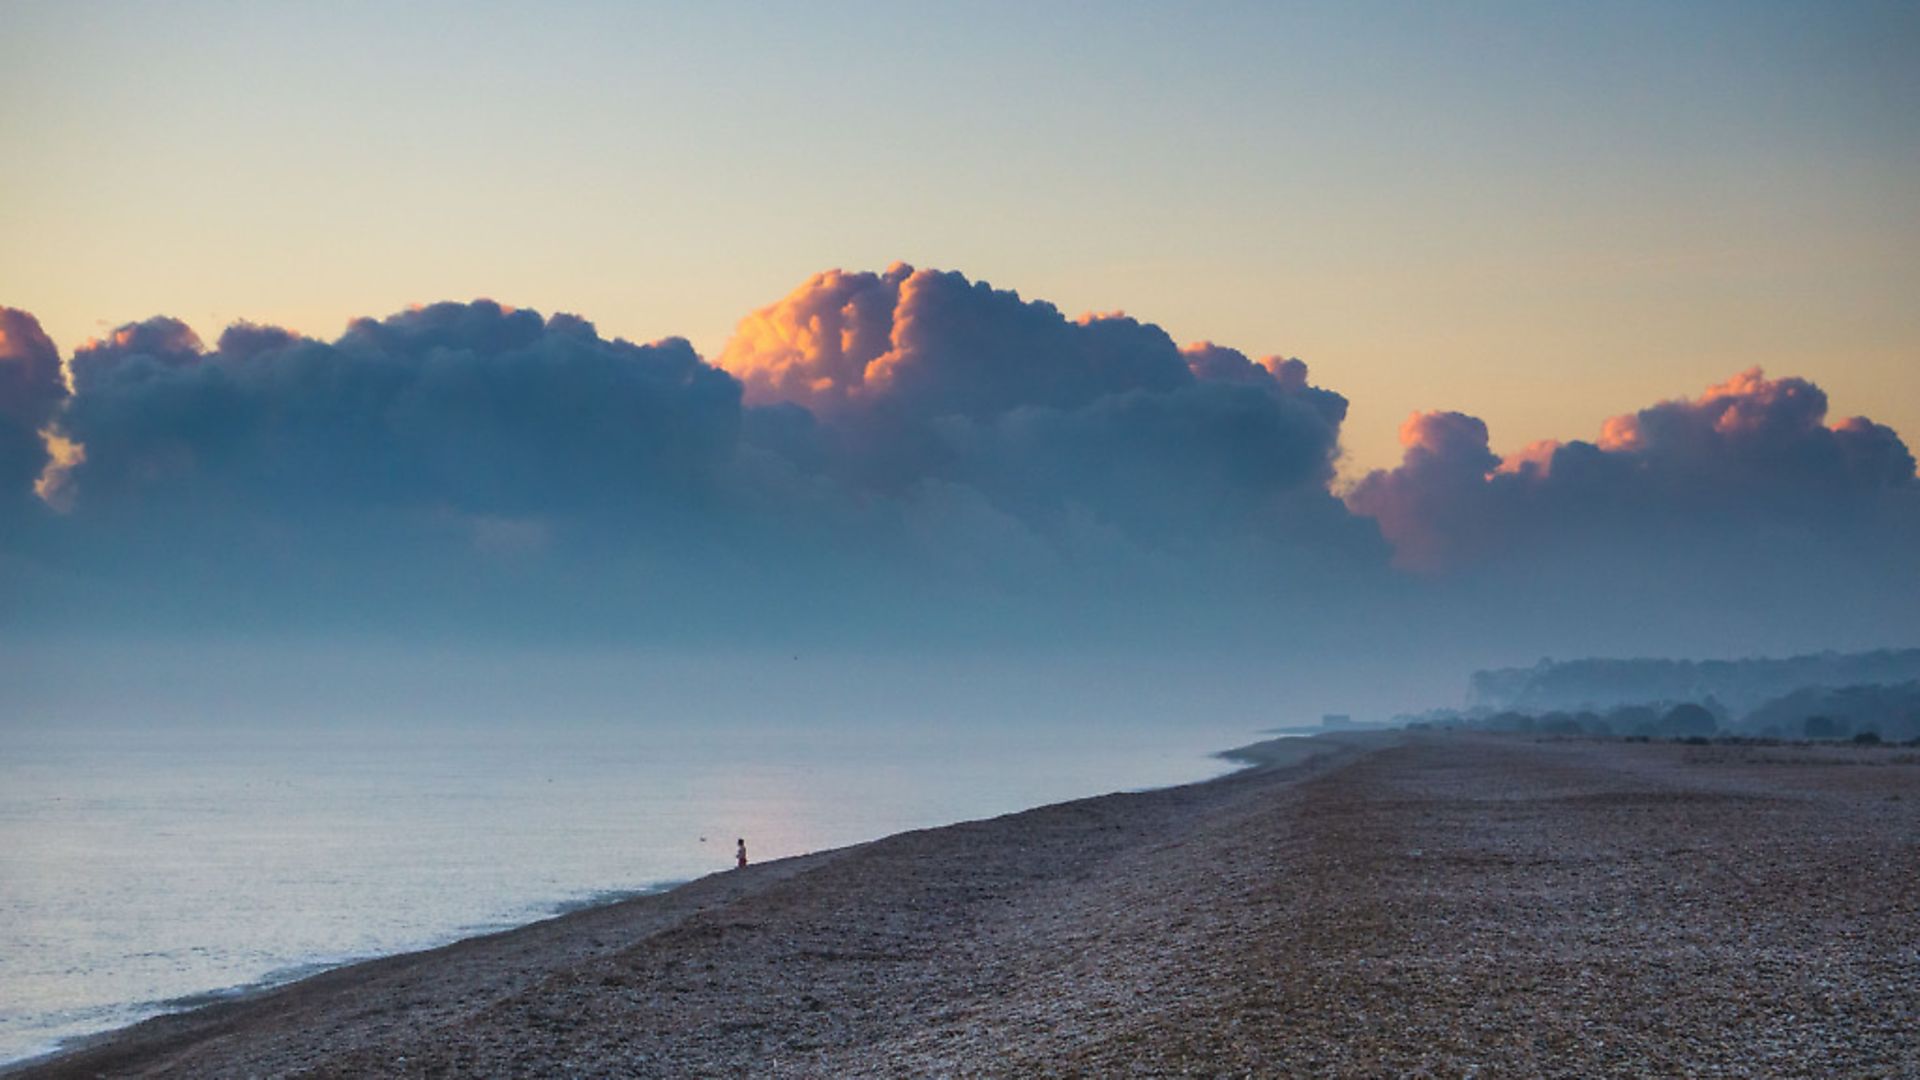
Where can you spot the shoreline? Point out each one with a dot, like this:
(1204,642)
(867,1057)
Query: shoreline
(1348,903)
(291,974)
(1250,756)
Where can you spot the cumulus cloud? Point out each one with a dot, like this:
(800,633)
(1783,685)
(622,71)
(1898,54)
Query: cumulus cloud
(157,342)
(471,407)
(31,390)
(906,444)
(1749,454)
(1436,504)
(814,347)
(468,467)
(942,387)
(30,382)
(932,343)
(878,452)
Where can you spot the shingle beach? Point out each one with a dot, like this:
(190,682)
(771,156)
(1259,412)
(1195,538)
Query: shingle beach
(1435,904)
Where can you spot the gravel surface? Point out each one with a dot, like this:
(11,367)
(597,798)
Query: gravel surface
(1435,904)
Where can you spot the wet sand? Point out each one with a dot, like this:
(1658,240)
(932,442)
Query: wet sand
(1426,904)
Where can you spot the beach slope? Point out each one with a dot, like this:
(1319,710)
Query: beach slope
(1348,905)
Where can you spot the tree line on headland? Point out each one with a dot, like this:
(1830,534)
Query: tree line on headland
(1866,697)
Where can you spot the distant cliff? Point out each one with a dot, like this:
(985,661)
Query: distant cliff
(1738,685)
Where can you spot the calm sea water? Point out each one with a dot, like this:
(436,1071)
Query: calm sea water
(145,872)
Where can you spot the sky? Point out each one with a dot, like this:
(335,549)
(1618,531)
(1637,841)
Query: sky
(1545,213)
(1314,353)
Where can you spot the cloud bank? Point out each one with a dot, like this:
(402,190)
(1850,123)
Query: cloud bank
(897,456)
(1748,455)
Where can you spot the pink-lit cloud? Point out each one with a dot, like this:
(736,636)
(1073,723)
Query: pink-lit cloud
(1748,451)
(925,378)
(932,343)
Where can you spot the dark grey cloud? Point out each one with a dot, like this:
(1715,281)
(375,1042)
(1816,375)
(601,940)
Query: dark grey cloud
(460,466)
(470,408)
(161,342)
(1010,466)
(31,391)
(909,454)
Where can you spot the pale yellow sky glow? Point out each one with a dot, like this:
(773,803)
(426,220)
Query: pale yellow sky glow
(1544,216)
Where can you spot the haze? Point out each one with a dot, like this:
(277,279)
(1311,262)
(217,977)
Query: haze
(1452,338)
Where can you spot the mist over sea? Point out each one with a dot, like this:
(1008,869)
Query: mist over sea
(145,870)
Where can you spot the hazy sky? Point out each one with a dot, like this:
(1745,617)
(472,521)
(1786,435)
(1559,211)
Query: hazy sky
(1545,214)
(1606,312)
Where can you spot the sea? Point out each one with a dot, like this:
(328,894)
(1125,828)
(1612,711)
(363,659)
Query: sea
(149,871)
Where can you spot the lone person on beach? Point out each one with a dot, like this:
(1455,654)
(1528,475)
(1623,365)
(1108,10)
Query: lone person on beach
(741,855)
